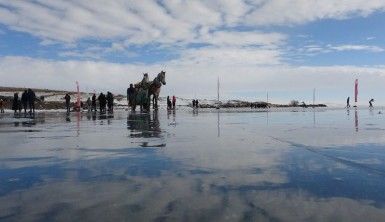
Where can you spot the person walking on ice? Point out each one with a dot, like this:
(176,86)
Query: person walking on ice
(348,102)
(371,103)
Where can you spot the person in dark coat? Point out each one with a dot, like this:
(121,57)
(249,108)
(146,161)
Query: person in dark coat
(89,104)
(348,102)
(102,102)
(24,100)
(131,95)
(67,98)
(371,103)
(15,103)
(193,103)
(1,106)
(173,102)
(93,102)
(196,103)
(168,102)
(31,97)
(110,102)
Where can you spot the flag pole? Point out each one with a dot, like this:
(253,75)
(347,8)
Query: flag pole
(313,97)
(78,94)
(355,92)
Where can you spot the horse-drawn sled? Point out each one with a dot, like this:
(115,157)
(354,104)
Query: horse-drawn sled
(141,95)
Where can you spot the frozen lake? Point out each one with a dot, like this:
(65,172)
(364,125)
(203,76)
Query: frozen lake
(327,165)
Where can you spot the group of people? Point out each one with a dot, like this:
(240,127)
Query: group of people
(104,101)
(27,100)
(171,103)
(371,101)
(195,103)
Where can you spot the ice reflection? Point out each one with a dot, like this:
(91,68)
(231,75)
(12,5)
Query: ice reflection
(314,124)
(144,125)
(356,119)
(217,166)
(218,125)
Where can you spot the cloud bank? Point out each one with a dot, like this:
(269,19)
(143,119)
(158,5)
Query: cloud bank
(242,42)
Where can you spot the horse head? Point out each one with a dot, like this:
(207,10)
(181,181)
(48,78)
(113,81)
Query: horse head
(162,77)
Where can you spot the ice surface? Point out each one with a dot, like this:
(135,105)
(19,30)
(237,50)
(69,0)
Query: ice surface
(201,165)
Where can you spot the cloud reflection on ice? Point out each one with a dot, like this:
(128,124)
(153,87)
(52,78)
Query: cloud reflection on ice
(139,167)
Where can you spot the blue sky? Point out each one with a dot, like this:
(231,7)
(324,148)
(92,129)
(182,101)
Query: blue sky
(284,47)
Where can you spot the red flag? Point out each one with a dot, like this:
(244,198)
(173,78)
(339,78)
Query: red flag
(355,90)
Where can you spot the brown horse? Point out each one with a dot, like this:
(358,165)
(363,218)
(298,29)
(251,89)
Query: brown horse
(155,85)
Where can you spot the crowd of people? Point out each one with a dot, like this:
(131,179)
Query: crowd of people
(104,101)
(26,101)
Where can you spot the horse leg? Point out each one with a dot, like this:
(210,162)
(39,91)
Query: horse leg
(156,100)
(154,104)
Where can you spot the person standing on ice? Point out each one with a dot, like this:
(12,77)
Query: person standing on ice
(173,102)
(102,103)
(67,98)
(131,95)
(31,97)
(89,103)
(15,103)
(168,102)
(93,102)
(110,102)
(1,106)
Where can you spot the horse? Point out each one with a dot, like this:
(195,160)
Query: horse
(154,89)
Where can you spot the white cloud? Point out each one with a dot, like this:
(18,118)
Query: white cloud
(277,12)
(227,56)
(315,49)
(97,52)
(167,21)
(225,38)
(368,48)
